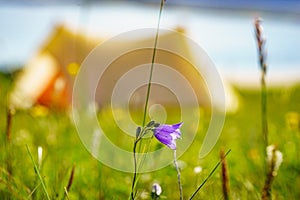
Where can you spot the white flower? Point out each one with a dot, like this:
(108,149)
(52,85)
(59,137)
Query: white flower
(275,156)
(197,169)
(156,189)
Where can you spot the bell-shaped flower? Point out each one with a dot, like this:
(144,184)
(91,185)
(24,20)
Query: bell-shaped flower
(167,134)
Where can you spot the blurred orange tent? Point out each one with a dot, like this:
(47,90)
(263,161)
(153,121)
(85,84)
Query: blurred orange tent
(48,77)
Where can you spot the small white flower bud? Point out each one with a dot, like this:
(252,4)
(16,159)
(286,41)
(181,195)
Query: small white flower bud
(197,169)
(156,189)
(40,156)
(278,158)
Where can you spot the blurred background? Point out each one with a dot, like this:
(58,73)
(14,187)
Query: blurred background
(42,45)
(223,28)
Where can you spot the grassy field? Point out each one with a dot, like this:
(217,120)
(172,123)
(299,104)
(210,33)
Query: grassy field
(62,150)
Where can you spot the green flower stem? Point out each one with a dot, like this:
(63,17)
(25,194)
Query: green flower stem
(138,138)
(178,176)
(132,195)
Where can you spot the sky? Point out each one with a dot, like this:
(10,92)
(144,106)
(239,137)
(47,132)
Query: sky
(227,35)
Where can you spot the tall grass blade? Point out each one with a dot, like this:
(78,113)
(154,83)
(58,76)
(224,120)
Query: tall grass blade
(225,176)
(132,194)
(71,179)
(33,191)
(38,173)
(8,160)
(209,175)
(9,116)
(66,193)
(152,64)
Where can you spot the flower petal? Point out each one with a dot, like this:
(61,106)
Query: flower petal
(164,128)
(172,145)
(177,126)
(165,139)
(169,128)
(167,134)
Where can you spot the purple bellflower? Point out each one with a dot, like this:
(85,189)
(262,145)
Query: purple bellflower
(167,134)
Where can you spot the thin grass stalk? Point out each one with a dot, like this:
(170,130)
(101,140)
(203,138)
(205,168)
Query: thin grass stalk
(71,179)
(66,193)
(225,176)
(9,116)
(152,63)
(209,175)
(8,159)
(33,191)
(266,191)
(146,150)
(263,67)
(132,194)
(178,176)
(38,173)
(264,109)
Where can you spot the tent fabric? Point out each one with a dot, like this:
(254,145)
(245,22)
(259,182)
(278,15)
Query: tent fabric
(49,76)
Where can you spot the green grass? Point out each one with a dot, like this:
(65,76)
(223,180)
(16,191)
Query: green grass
(62,149)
